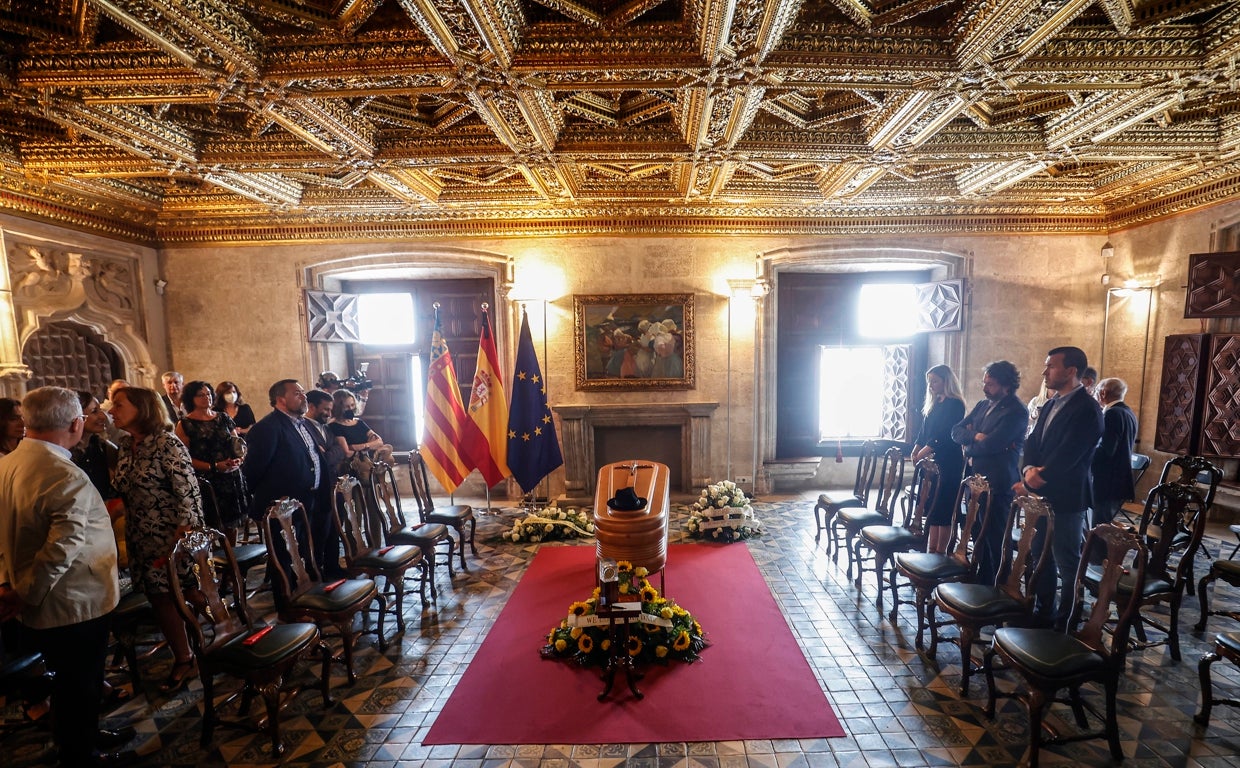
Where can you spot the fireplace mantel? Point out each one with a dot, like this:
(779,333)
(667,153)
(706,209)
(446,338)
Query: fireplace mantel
(578,423)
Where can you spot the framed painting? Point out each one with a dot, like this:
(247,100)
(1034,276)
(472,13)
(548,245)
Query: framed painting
(633,341)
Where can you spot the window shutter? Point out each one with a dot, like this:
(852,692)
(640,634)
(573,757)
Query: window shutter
(940,306)
(332,316)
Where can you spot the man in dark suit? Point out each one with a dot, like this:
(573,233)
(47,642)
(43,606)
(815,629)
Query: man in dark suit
(1057,457)
(1112,464)
(331,456)
(281,459)
(992,436)
(173,383)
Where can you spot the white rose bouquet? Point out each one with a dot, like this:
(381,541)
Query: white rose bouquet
(722,513)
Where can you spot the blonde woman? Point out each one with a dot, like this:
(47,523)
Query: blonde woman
(944,407)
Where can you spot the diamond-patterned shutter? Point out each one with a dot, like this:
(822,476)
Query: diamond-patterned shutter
(1180,393)
(940,306)
(332,316)
(1220,421)
(1213,285)
(895,398)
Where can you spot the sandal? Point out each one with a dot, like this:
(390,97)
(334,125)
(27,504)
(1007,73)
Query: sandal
(178,677)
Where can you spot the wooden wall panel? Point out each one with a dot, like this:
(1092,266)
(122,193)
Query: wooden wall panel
(1220,430)
(1180,394)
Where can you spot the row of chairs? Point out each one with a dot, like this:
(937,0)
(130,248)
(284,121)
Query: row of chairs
(377,541)
(1165,539)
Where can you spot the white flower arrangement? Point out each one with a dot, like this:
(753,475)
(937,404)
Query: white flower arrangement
(551,524)
(722,513)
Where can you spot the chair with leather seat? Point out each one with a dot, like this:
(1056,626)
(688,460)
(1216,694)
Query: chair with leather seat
(455,516)
(1226,646)
(248,555)
(849,521)
(1130,510)
(1199,473)
(1227,571)
(831,502)
(133,624)
(1173,512)
(364,552)
(926,570)
(1049,661)
(300,590)
(910,535)
(1010,602)
(427,536)
(226,640)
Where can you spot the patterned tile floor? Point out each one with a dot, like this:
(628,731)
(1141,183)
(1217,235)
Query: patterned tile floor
(897,708)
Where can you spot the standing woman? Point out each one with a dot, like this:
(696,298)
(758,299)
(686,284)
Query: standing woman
(229,401)
(161,495)
(12,427)
(944,407)
(213,449)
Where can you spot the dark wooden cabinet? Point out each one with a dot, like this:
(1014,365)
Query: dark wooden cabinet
(1199,396)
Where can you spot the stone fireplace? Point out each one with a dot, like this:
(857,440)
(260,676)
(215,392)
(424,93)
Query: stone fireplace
(675,434)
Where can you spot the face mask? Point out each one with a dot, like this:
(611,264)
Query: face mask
(230,397)
(350,413)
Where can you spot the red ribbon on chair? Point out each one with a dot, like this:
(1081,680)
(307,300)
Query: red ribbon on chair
(259,635)
(334,584)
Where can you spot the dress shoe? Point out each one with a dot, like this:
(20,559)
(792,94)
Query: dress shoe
(116,759)
(108,740)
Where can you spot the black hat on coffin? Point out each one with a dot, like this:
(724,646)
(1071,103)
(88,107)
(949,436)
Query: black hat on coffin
(627,500)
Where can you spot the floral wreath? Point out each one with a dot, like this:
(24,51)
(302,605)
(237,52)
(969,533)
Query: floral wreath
(551,525)
(663,632)
(722,513)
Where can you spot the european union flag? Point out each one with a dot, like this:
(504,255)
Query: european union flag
(533,449)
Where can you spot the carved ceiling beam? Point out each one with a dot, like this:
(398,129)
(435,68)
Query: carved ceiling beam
(1120,14)
(982,26)
(267,188)
(903,10)
(446,24)
(858,12)
(1032,31)
(117,68)
(352,14)
(82,158)
(1221,38)
(896,116)
(130,128)
(988,178)
(714,28)
(210,35)
(328,124)
(1103,115)
(410,184)
(115,191)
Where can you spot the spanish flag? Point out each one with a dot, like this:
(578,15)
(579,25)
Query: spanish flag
(487,447)
(445,421)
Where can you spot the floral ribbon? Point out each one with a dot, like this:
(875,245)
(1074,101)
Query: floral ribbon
(594,620)
(536,520)
(728,517)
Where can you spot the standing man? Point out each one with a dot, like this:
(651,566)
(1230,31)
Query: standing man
(1089,380)
(282,459)
(331,455)
(173,382)
(58,568)
(1112,464)
(992,436)
(1058,453)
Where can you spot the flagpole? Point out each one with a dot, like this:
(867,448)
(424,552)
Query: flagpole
(546,373)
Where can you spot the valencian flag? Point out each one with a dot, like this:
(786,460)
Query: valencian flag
(533,450)
(445,419)
(487,447)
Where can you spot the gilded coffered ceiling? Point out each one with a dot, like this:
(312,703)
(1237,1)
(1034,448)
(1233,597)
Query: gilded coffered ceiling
(197,120)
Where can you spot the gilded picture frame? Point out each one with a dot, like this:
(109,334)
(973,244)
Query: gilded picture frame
(633,341)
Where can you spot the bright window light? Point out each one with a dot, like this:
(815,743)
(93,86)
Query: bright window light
(385,318)
(850,392)
(887,310)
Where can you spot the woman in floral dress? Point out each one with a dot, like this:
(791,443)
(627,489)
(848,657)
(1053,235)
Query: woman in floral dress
(213,449)
(154,476)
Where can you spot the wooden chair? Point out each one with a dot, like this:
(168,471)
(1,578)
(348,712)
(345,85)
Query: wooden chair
(1229,572)
(1010,602)
(1173,512)
(364,552)
(886,540)
(1226,646)
(133,624)
(247,555)
(426,536)
(453,515)
(849,521)
(300,590)
(924,571)
(225,639)
(1049,661)
(832,502)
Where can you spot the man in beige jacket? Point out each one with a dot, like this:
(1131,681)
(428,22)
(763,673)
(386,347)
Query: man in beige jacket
(58,568)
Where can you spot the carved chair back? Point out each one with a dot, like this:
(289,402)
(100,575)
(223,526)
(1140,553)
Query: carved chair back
(201,562)
(290,548)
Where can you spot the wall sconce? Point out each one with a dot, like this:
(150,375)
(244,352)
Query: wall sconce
(1108,251)
(160,285)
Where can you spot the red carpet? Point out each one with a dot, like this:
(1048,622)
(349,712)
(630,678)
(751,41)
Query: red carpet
(751,683)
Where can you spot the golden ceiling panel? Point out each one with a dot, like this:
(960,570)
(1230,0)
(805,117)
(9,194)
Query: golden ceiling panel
(176,120)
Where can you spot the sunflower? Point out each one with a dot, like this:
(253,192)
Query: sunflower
(697,628)
(635,645)
(578,608)
(682,641)
(649,593)
(585,643)
(624,566)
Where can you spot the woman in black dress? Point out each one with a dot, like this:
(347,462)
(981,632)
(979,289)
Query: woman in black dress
(214,449)
(352,434)
(943,409)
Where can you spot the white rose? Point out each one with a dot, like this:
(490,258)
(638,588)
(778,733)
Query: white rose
(719,504)
(548,527)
